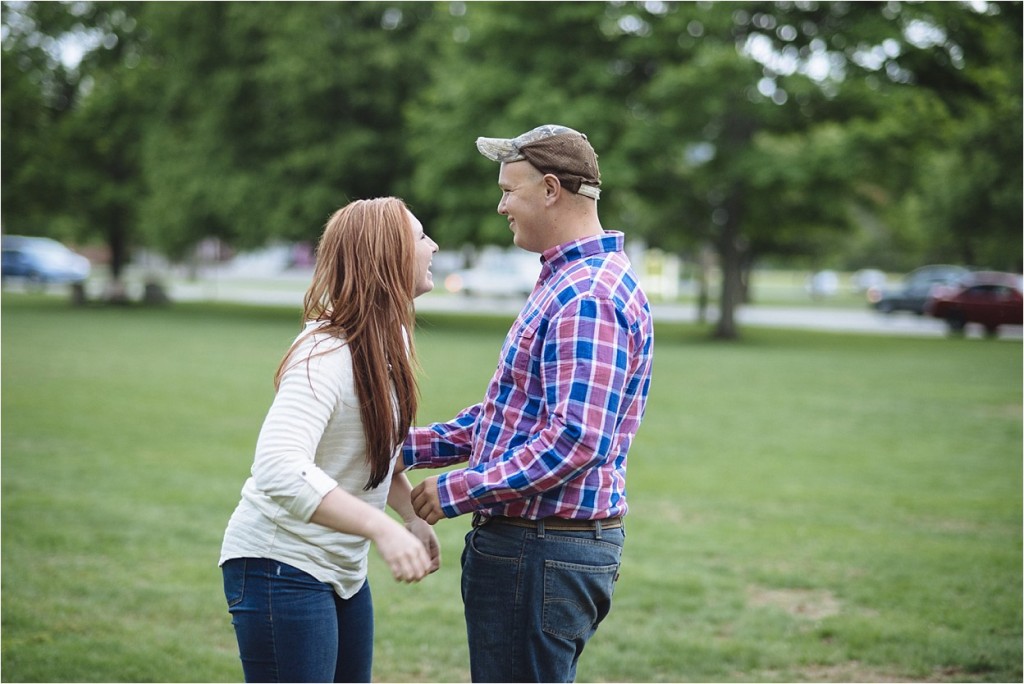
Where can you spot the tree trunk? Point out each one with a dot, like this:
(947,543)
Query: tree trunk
(729,217)
(731,252)
(747,265)
(731,296)
(705,260)
(117,241)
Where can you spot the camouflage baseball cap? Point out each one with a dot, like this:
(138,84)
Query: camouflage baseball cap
(554,149)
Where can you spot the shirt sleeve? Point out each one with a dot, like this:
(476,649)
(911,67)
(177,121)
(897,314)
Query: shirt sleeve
(442,444)
(284,467)
(583,374)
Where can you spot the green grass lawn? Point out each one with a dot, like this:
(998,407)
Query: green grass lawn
(803,506)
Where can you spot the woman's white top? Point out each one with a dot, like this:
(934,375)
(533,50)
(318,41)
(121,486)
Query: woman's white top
(311,442)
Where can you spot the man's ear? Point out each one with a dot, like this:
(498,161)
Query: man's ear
(552,188)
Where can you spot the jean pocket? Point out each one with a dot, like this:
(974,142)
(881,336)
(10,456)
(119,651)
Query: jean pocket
(492,545)
(576,597)
(234,581)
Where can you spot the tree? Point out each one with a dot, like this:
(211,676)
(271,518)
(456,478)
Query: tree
(38,92)
(504,68)
(183,121)
(816,133)
(970,184)
(764,129)
(273,114)
(769,125)
(71,132)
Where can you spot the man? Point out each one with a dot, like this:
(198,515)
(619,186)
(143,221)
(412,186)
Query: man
(546,448)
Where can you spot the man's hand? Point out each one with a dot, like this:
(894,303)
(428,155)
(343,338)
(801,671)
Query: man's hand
(426,501)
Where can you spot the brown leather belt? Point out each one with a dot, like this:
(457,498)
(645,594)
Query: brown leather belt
(557,524)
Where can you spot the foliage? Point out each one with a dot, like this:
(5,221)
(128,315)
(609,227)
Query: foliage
(844,135)
(804,507)
(292,109)
(79,174)
(510,67)
(37,94)
(776,127)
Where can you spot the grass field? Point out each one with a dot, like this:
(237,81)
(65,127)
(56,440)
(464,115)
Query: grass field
(803,507)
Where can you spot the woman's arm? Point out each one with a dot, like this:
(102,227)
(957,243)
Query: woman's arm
(400,501)
(403,551)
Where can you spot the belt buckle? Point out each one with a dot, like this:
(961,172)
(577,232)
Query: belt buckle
(479,519)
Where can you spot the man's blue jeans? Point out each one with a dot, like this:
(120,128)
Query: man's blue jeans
(293,628)
(533,598)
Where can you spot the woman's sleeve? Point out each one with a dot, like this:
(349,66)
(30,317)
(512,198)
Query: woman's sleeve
(284,468)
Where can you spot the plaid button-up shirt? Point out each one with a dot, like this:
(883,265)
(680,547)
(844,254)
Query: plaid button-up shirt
(552,434)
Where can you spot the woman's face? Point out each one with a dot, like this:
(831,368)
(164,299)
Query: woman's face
(424,251)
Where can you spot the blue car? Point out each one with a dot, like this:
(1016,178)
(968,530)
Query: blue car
(41,261)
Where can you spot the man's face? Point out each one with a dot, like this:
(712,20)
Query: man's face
(523,204)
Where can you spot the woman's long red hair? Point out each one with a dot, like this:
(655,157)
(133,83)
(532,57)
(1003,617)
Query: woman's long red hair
(362,290)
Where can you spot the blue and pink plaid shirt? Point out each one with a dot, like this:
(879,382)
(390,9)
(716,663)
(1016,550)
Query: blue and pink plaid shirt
(552,434)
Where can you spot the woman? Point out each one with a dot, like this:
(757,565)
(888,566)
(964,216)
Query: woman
(294,556)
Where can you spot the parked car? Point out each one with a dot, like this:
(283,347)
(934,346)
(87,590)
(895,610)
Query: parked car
(989,298)
(497,273)
(865,279)
(822,284)
(41,261)
(915,288)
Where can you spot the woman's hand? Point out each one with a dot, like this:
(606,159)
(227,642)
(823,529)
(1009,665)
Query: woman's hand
(405,553)
(400,500)
(425,533)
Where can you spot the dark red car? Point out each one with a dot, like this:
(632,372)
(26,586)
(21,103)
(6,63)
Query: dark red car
(988,298)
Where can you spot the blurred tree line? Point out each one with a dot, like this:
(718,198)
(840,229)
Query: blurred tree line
(819,134)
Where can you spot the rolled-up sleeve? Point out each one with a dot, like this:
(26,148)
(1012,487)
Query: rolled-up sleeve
(284,468)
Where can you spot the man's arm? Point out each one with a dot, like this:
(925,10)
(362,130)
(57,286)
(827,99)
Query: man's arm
(441,444)
(583,373)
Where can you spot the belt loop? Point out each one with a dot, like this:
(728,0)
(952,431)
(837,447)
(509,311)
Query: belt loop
(540,529)
(597,529)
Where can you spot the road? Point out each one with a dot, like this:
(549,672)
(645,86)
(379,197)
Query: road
(288,291)
(804,318)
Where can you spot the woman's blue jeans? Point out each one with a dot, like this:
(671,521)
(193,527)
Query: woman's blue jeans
(534,597)
(293,628)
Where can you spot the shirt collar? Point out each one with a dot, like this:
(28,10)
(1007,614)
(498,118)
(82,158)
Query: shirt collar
(556,257)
